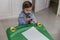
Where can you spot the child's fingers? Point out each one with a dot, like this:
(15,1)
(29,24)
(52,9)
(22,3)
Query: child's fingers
(28,19)
(31,22)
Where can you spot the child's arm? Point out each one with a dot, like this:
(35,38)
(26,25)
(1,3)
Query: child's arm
(33,18)
(21,19)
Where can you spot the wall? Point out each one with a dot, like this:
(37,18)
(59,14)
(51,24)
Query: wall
(4,8)
(58,13)
(10,8)
(41,4)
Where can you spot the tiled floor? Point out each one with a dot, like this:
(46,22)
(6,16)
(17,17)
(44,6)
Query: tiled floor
(46,16)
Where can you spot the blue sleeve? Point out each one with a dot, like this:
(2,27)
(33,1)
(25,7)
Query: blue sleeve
(33,17)
(21,19)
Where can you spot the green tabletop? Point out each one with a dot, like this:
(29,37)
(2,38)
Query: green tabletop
(17,34)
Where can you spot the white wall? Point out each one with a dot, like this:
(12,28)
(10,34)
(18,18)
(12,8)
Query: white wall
(58,13)
(41,4)
(10,8)
(4,8)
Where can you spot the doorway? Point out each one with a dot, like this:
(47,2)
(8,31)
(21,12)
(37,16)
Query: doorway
(54,5)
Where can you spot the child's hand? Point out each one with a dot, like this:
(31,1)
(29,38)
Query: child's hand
(31,22)
(28,19)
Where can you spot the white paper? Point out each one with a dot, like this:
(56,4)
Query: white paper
(33,34)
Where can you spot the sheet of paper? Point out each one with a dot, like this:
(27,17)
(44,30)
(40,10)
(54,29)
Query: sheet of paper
(34,34)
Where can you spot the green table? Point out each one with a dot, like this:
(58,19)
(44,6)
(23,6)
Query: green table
(17,34)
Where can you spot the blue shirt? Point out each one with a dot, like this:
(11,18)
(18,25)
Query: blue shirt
(22,16)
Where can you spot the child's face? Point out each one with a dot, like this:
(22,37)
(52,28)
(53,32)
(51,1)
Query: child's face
(27,10)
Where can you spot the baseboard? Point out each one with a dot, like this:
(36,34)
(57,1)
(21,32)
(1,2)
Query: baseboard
(8,17)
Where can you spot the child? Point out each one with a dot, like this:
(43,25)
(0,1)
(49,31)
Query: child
(26,16)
